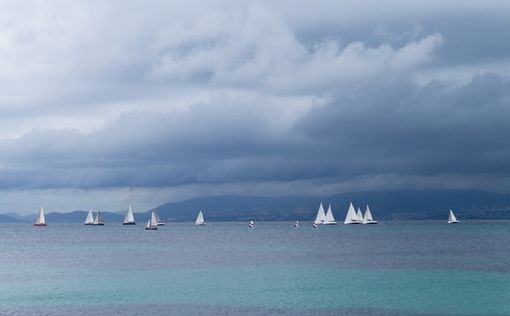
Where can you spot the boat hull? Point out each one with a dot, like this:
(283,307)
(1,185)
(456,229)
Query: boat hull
(353,223)
(100,224)
(40,225)
(370,223)
(330,223)
(130,223)
(453,222)
(151,228)
(161,224)
(201,224)
(88,224)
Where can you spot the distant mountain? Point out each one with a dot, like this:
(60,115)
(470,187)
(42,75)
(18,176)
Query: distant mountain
(384,205)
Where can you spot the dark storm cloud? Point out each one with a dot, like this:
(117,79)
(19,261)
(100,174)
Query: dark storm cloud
(254,94)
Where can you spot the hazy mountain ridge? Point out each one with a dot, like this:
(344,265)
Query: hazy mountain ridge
(384,205)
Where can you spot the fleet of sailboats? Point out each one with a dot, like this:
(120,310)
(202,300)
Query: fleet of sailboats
(129,219)
(322,218)
(41,220)
(200,219)
(452,219)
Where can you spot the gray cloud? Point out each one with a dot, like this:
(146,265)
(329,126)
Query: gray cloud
(250,97)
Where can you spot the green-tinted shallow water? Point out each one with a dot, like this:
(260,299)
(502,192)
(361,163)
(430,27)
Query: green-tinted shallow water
(420,268)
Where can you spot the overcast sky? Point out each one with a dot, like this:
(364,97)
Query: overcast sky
(109,103)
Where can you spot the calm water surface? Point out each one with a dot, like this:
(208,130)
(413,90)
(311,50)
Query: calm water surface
(395,268)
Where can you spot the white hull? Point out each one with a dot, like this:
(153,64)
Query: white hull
(453,222)
(200,224)
(330,223)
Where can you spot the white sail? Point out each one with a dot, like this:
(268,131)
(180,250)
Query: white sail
(153,222)
(90,218)
(360,215)
(351,217)
(451,218)
(321,216)
(158,220)
(328,218)
(41,220)
(368,219)
(129,218)
(200,219)
(98,220)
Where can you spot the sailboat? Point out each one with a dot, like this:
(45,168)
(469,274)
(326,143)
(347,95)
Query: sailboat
(158,220)
(296,225)
(129,219)
(251,224)
(321,216)
(90,219)
(328,218)
(200,219)
(98,221)
(41,220)
(452,219)
(352,217)
(152,224)
(368,219)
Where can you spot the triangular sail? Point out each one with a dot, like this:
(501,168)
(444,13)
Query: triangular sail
(368,215)
(352,216)
(200,219)
(41,220)
(90,218)
(368,219)
(359,215)
(321,216)
(153,222)
(328,218)
(129,218)
(98,220)
(452,218)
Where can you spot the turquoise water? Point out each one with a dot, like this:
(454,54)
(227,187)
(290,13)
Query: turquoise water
(404,268)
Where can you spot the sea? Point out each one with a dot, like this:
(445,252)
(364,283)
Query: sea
(224,268)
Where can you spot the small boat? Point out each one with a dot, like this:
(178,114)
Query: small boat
(315,225)
(368,219)
(41,220)
(452,219)
(98,221)
(296,225)
(152,224)
(251,224)
(321,216)
(328,218)
(90,219)
(129,219)
(158,220)
(200,219)
(352,217)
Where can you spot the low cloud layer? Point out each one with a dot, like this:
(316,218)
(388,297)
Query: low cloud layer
(146,104)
